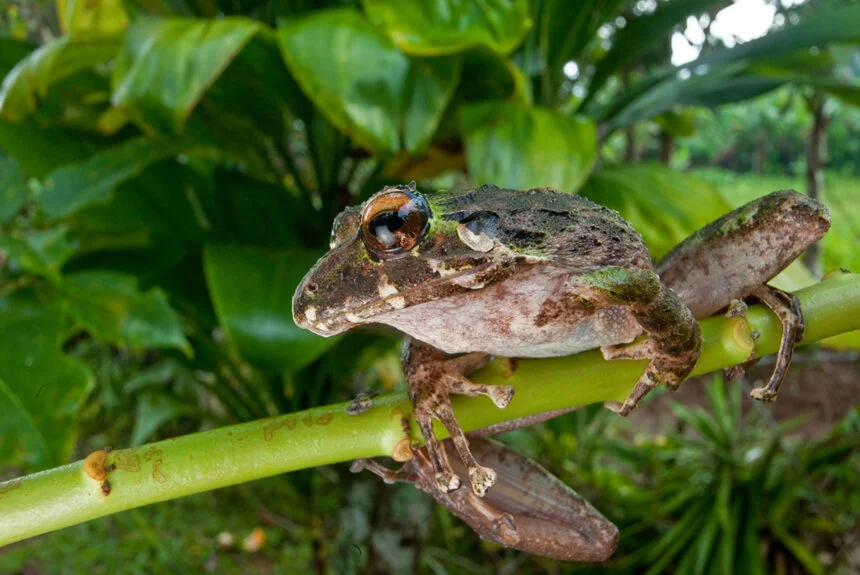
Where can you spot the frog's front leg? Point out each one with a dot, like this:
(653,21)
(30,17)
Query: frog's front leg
(431,377)
(674,341)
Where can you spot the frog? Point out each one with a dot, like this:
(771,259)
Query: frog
(482,272)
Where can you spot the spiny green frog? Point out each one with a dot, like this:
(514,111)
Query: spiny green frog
(541,273)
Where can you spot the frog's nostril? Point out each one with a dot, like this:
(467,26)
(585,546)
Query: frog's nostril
(311,287)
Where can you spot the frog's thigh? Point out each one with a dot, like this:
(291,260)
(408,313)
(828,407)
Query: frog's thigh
(674,340)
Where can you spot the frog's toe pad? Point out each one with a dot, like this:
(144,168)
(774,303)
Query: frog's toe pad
(763,394)
(447,482)
(482,478)
(639,350)
(501,395)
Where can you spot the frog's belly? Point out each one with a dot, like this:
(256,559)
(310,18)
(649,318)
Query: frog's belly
(532,315)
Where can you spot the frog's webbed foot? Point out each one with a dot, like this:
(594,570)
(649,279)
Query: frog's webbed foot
(786,306)
(431,379)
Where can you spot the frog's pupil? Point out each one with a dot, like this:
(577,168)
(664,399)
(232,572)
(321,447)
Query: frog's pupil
(384,227)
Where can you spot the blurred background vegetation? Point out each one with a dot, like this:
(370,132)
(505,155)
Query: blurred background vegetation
(169,169)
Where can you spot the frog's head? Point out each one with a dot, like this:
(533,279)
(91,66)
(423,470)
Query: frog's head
(398,249)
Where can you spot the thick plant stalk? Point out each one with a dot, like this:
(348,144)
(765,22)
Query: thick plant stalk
(75,493)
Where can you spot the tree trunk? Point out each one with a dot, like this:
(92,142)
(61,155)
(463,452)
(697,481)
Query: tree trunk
(816,150)
(667,144)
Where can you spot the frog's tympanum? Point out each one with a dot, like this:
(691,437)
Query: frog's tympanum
(540,273)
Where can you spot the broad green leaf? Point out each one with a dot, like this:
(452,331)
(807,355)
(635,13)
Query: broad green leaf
(110,306)
(154,410)
(252,290)
(29,82)
(82,18)
(451,26)
(41,389)
(13,188)
(678,123)
(74,186)
(165,66)
(642,32)
(372,92)
(40,149)
(514,146)
(40,252)
(664,205)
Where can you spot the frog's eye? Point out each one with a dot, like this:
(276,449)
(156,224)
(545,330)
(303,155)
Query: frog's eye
(394,222)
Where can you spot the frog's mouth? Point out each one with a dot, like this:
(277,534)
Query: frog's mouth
(310,313)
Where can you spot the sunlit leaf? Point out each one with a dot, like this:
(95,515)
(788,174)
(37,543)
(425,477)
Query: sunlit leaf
(112,308)
(451,26)
(252,290)
(41,389)
(643,31)
(165,66)
(91,17)
(514,146)
(28,83)
(375,94)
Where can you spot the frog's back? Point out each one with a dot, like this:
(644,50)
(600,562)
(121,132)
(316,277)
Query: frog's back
(574,231)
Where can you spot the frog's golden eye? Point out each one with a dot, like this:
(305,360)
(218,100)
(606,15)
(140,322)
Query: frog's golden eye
(394,222)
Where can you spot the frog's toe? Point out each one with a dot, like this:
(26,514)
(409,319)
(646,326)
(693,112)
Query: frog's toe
(640,350)
(447,481)
(482,478)
(501,395)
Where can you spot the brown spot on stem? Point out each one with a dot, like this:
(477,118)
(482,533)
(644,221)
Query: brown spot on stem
(396,412)
(403,450)
(128,462)
(511,369)
(156,473)
(270,428)
(151,452)
(325,418)
(94,465)
(105,487)
(308,420)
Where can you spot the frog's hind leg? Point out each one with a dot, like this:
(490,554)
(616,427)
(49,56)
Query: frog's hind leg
(787,308)
(431,378)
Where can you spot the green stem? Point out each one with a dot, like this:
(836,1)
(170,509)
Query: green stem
(67,495)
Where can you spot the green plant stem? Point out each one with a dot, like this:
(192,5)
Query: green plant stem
(64,496)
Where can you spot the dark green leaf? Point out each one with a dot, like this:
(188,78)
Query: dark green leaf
(40,149)
(375,94)
(12,52)
(514,146)
(40,388)
(40,252)
(451,26)
(13,189)
(153,411)
(110,306)
(252,290)
(30,80)
(165,66)
(74,186)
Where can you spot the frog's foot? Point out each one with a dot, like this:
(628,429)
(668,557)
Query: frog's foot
(658,371)
(786,306)
(432,378)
